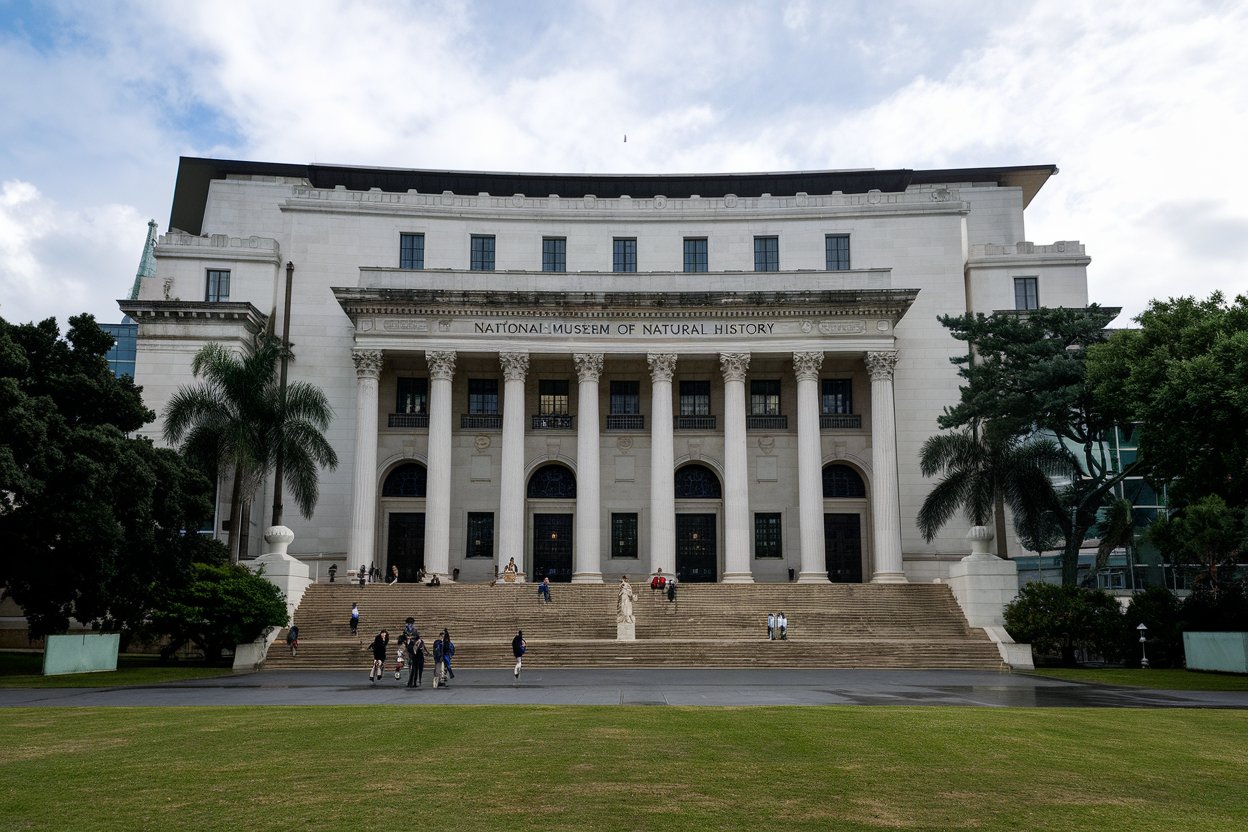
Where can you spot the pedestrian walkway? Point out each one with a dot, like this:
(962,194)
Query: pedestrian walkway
(686,687)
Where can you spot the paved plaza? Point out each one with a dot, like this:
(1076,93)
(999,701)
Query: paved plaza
(688,687)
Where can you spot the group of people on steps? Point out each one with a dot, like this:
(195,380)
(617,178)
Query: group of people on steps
(413,648)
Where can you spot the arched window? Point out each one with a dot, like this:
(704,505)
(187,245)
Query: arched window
(697,482)
(408,480)
(840,481)
(552,482)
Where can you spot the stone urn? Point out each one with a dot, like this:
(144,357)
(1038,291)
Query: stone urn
(981,539)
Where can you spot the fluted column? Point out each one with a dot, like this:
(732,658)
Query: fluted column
(364,485)
(438,491)
(885,508)
(587,567)
(510,534)
(662,478)
(736,474)
(806,367)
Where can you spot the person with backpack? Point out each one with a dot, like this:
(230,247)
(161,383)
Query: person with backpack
(292,639)
(518,647)
(416,655)
(439,667)
(355,620)
(448,652)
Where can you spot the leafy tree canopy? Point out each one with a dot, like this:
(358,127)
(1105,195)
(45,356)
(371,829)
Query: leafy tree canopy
(92,520)
(1061,619)
(223,605)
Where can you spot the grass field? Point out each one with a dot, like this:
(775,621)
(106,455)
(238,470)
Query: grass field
(1159,678)
(20,669)
(546,768)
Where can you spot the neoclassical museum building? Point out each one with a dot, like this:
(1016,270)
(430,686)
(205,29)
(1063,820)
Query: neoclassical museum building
(728,376)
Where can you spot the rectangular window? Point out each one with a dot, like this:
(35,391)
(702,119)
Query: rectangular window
(482,253)
(625,398)
(480,534)
(218,286)
(624,254)
(765,397)
(411,251)
(413,396)
(483,396)
(766,254)
(695,254)
(836,396)
(767,536)
(623,535)
(554,254)
(836,247)
(695,398)
(1026,293)
(552,397)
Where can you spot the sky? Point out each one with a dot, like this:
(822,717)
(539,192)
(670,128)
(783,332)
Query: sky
(1143,106)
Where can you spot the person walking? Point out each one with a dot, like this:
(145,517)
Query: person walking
(543,590)
(292,639)
(771,626)
(782,624)
(355,620)
(517,649)
(671,589)
(439,668)
(378,648)
(448,652)
(416,657)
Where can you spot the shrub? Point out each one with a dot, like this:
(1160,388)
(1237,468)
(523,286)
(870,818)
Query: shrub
(225,605)
(1061,619)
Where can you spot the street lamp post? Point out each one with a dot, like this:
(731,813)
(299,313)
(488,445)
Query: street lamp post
(1143,630)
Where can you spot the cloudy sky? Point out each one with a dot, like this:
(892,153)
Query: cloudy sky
(1142,105)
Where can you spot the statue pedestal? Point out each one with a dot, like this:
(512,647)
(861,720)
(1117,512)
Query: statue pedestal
(626,632)
(983,585)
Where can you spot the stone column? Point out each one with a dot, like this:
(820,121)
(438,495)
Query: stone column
(885,508)
(587,568)
(364,487)
(662,478)
(736,473)
(810,468)
(510,532)
(438,492)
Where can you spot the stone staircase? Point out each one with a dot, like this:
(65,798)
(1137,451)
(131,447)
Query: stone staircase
(709,625)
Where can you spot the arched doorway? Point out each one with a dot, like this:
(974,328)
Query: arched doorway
(552,493)
(697,550)
(842,526)
(404,493)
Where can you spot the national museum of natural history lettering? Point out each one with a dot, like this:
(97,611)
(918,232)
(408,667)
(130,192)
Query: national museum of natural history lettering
(728,376)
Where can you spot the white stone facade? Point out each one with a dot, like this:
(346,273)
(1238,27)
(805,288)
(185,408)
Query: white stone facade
(943,242)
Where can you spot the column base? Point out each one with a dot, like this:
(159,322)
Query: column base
(812,578)
(737,578)
(889,578)
(586,577)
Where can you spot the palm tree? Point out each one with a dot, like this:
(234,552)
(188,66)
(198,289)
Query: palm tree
(984,471)
(1117,529)
(239,419)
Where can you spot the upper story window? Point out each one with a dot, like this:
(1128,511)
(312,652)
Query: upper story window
(625,398)
(1026,293)
(624,535)
(836,247)
(695,254)
(217,289)
(765,397)
(836,396)
(766,254)
(624,254)
(695,398)
(554,254)
(767,536)
(480,534)
(412,396)
(411,251)
(482,259)
(483,396)
(552,396)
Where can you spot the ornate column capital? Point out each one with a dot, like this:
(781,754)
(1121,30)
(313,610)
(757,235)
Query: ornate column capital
(441,365)
(588,366)
(515,365)
(662,366)
(367,363)
(806,365)
(734,365)
(881,364)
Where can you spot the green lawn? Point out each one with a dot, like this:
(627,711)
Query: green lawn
(583,768)
(1161,678)
(25,670)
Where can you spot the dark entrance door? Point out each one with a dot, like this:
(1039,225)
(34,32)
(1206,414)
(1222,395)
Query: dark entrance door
(842,546)
(552,547)
(406,546)
(697,559)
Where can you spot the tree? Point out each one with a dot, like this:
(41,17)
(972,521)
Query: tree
(1207,532)
(984,470)
(1026,373)
(239,419)
(1182,379)
(94,522)
(1157,609)
(1062,619)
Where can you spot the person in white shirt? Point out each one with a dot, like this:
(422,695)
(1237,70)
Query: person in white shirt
(782,624)
(771,626)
